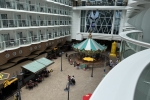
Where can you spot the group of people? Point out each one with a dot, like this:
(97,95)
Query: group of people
(69,59)
(71,80)
(112,64)
(39,78)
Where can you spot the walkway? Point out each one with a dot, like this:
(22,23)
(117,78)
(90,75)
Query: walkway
(52,88)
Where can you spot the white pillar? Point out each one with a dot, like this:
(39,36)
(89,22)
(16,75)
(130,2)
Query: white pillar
(76,17)
(122,21)
(113,23)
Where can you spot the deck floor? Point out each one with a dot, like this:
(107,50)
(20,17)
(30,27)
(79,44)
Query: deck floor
(52,88)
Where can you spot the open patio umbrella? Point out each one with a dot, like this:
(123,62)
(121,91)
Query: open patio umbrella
(87,97)
(88,59)
(91,60)
(89,46)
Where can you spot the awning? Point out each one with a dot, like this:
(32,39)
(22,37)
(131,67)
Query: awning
(37,65)
(45,61)
(34,66)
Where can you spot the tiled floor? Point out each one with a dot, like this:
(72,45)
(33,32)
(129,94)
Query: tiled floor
(52,88)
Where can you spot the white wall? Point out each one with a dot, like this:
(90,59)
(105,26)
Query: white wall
(76,17)
(141,22)
(146,26)
(122,21)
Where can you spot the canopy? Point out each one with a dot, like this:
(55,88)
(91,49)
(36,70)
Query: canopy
(44,61)
(37,65)
(89,46)
(34,66)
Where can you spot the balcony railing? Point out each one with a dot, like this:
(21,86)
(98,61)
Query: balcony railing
(12,43)
(10,23)
(69,3)
(33,7)
(101,3)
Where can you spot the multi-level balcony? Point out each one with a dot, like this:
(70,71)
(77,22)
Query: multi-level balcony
(65,2)
(45,8)
(12,23)
(100,3)
(35,38)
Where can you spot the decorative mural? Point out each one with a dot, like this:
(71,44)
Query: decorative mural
(100,21)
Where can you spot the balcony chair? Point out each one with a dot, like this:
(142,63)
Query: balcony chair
(49,10)
(42,23)
(8,5)
(55,22)
(24,23)
(5,23)
(79,2)
(49,22)
(32,8)
(12,42)
(21,7)
(34,23)
(42,10)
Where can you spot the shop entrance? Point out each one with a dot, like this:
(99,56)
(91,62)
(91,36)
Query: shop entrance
(8,91)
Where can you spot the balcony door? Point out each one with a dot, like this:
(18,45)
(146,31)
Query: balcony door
(19,20)
(2,3)
(4,20)
(19,37)
(31,38)
(6,38)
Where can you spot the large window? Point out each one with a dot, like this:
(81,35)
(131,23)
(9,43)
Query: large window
(97,21)
(117,21)
(100,21)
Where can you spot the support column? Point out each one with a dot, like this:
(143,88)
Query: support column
(113,24)
(122,21)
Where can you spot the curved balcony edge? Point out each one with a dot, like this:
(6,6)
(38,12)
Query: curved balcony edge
(120,83)
(124,36)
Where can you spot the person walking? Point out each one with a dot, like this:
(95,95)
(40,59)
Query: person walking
(66,55)
(70,61)
(69,77)
(73,80)
(117,61)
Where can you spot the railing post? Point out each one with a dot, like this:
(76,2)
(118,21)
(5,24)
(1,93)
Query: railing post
(4,44)
(1,23)
(30,39)
(40,37)
(19,42)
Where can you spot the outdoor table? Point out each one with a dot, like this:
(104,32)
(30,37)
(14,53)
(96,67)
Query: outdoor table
(24,40)
(12,42)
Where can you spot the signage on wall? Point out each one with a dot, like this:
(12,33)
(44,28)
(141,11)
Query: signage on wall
(9,82)
(4,75)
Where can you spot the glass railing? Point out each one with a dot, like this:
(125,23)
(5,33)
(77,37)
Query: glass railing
(69,3)
(101,3)
(25,40)
(12,43)
(142,90)
(128,49)
(8,23)
(11,4)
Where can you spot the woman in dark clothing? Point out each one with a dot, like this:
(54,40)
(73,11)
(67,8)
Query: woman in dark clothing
(66,55)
